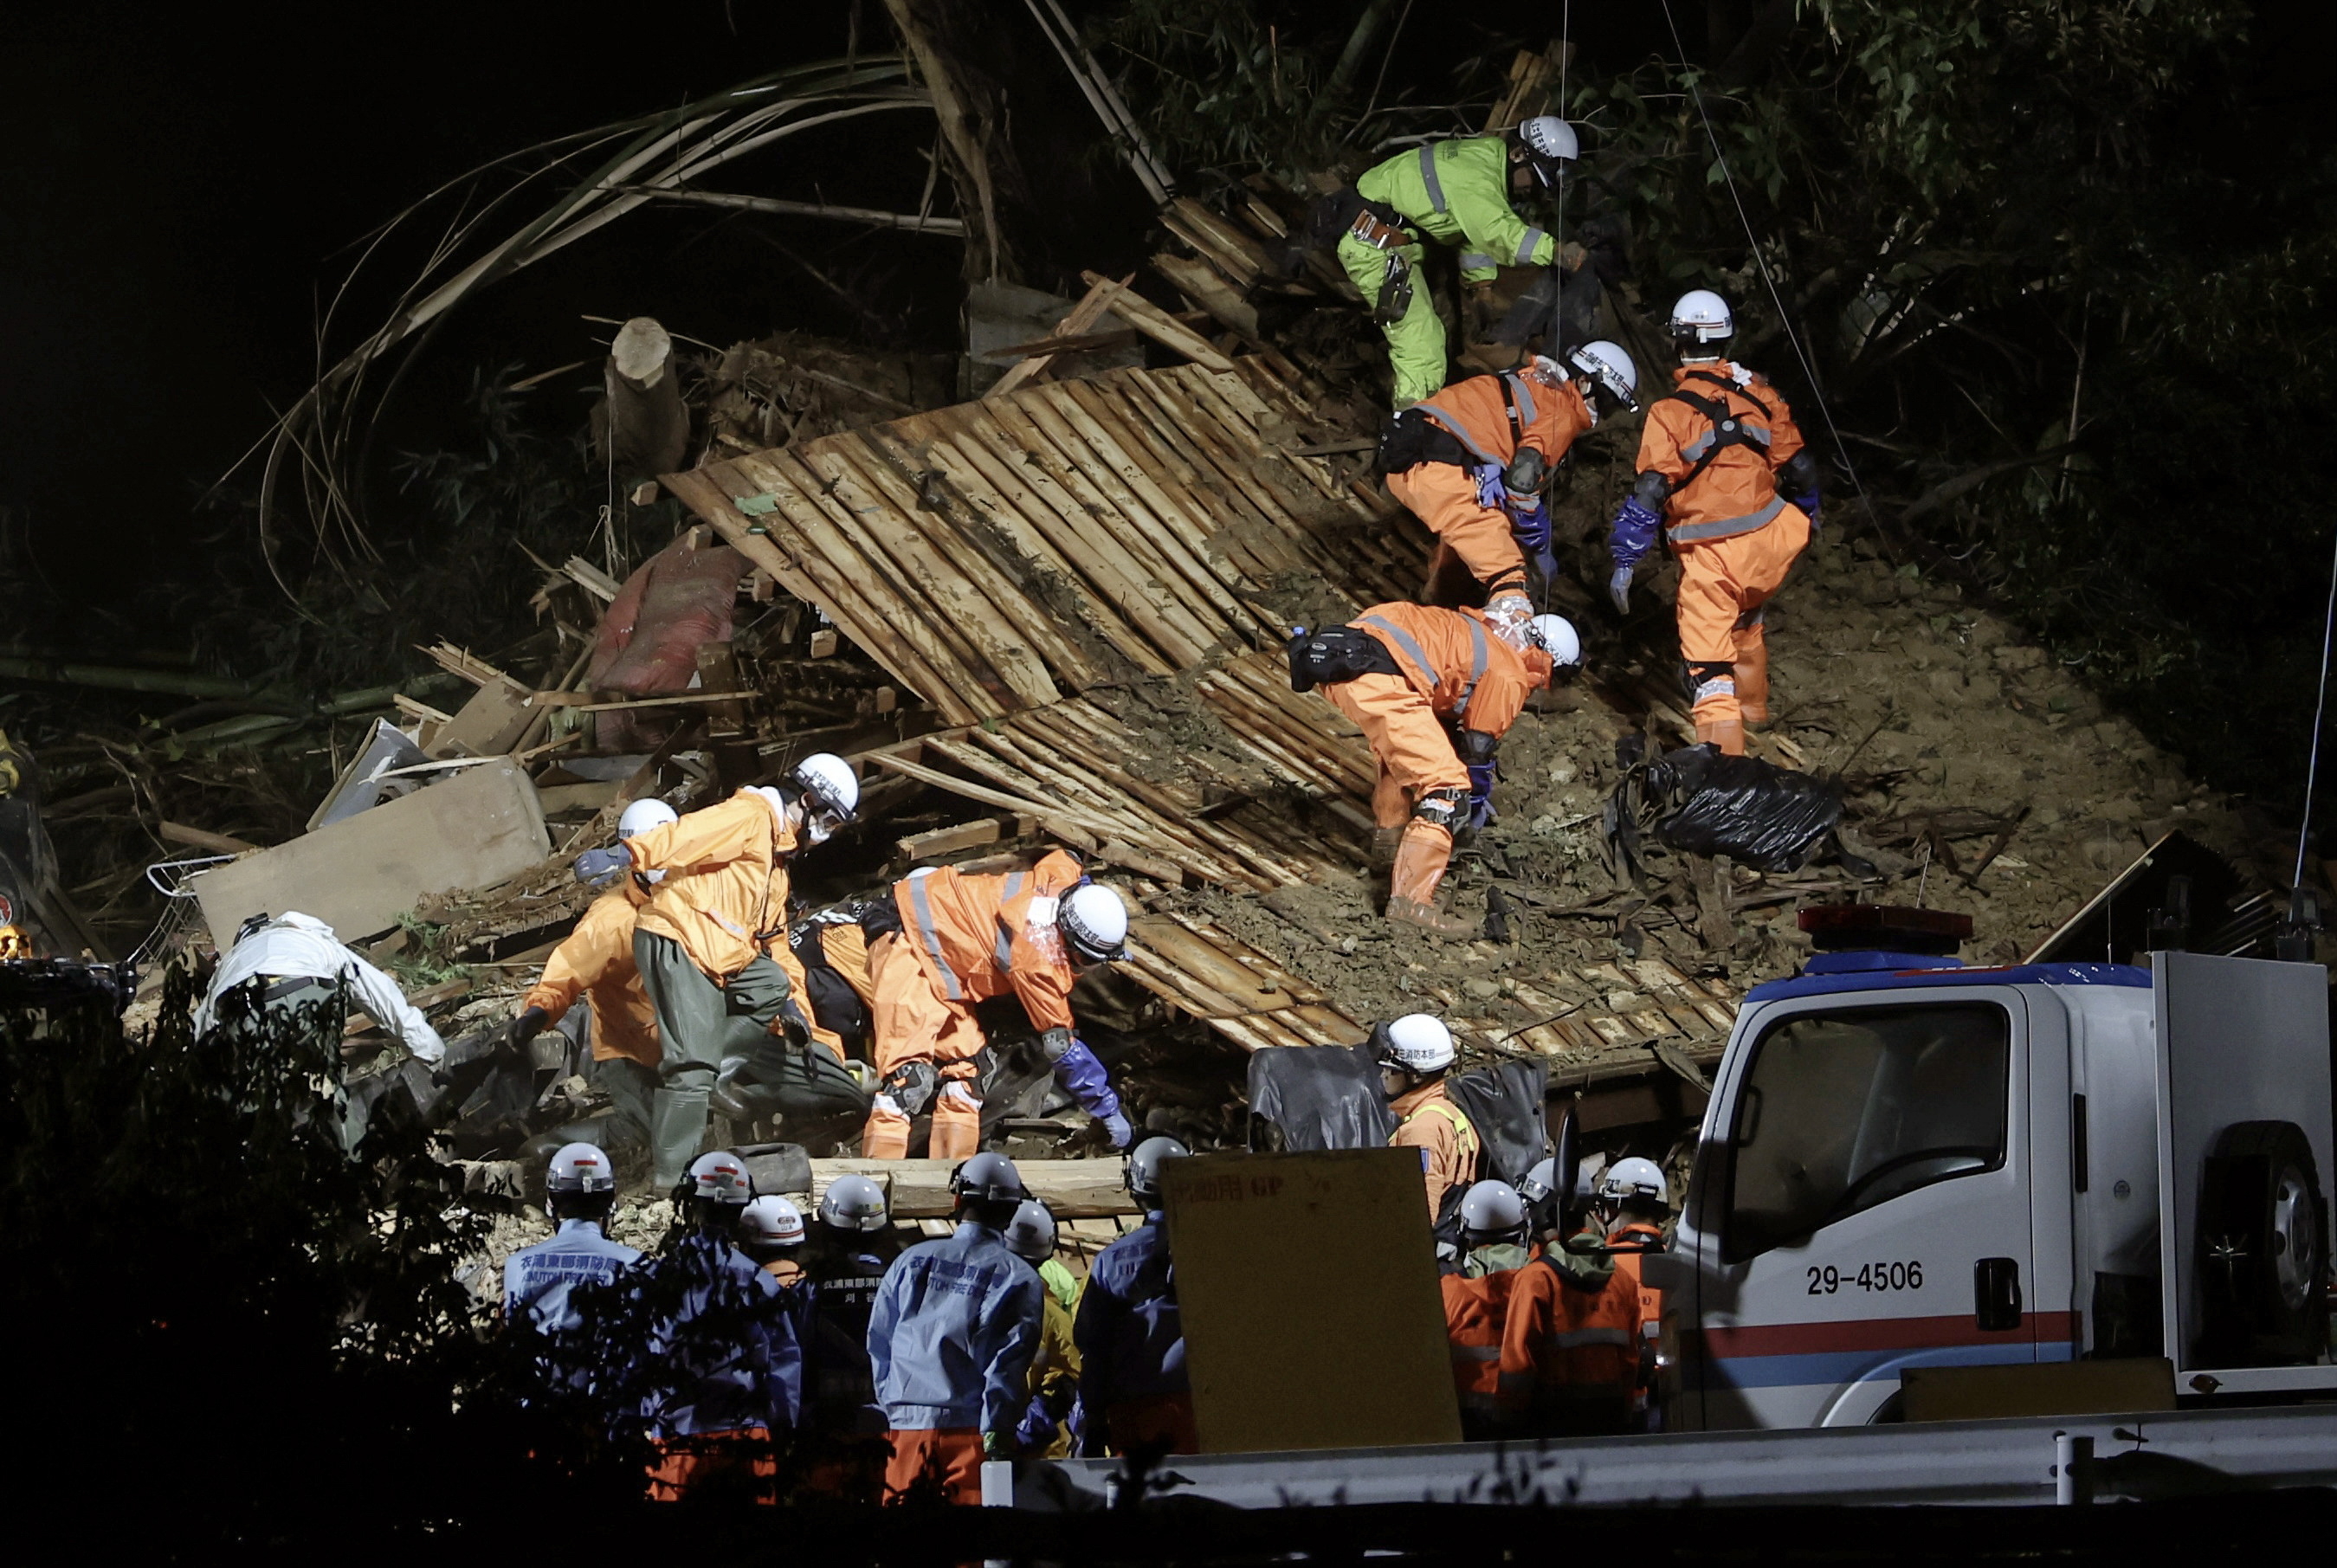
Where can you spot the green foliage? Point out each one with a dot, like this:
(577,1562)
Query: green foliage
(1222,85)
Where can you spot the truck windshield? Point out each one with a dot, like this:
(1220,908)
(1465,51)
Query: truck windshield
(1845,1110)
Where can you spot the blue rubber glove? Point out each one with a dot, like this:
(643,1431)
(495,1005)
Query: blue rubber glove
(1619,589)
(1481,793)
(598,867)
(1808,504)
(1529,524)
(1493,489)
(1077,1071)
(1116,1129)
(1633,533)
(1038,1427)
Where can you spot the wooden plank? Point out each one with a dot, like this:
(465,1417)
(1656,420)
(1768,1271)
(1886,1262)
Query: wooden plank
(1190,525)
(919,1188)
(360,873)
(556,799)
(1162,328)
(1238,528)
(1102,296)
(1201,284)
(1045,811)
(950,840)
(487,725)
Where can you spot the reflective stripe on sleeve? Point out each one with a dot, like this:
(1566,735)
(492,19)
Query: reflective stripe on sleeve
(1428,176)
(923,908)
(1726,527)
(1477,261)
(1526,247)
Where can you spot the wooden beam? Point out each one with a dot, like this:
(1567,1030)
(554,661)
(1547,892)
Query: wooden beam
(1164,328)
(1102,296)
(919,1188)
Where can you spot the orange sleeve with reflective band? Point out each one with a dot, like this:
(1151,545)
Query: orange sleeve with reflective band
(603,939)
(1784,436)
(1669,425)
(713,837)
(1042,971)
(1510,679)
(1467,670)
(1474,410)
(1560,416)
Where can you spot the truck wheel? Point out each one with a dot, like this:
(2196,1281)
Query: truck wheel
(2262,1249)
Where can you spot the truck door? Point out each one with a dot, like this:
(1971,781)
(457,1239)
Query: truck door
(1870,1206)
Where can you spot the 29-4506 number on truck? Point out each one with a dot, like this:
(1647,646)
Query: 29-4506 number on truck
(1870,1277)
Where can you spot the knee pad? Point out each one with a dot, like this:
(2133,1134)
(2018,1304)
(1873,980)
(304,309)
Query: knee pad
(912,1085)
(1441,807)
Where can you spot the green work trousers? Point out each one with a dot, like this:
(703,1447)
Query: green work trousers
(1415,340)
(699,1022)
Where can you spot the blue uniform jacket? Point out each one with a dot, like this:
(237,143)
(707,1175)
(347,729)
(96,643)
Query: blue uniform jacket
(839,1390)
(726,1354)
(1131,1339)
(538,1279)
(953,1334)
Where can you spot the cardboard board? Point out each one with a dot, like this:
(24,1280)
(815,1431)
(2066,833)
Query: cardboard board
(1307,1289)
(2117,1388)
(488,725)
(359,875)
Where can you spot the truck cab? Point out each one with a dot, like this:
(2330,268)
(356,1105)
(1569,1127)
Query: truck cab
(1909,1162)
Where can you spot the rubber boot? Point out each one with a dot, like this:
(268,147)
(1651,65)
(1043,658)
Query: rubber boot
(1728,734)
(676,1132)
(1753,679)
(1420,862)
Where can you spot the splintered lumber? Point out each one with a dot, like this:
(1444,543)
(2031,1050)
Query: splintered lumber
(462,663)
(919,1188)
(1162,328)
(1201,284)
(950,841)
(1101,298)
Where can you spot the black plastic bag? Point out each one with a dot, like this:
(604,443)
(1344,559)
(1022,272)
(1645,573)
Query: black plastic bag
(1504,1105)
(1760,815)
(1321,1096)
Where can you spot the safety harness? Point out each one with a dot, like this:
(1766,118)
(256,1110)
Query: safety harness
(1728,427)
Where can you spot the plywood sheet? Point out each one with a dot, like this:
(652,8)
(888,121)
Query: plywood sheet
(1293,1340)
(359,876)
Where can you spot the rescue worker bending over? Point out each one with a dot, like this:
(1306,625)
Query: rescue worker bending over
(1131,1334)
(581,1188)
(1477,1304)
(724,1366)
(1404,673)
(1723,474)
(1055,1370)
(711,945)
(956,1324)
(845,1261)
(964,940)
(771,1232)
(596,962)
(1456,192)
(1415,1054)
(1570,1361)
(294,967)
(1474,461)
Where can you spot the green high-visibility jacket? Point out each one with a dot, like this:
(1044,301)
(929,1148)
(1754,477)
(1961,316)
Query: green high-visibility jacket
(1458,192)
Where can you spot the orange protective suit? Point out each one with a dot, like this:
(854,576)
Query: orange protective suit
(1571,1355)
(1470,536)
(1453,668)
(1428,1121)
(596,962)
(1476,1316)
(949,1454)
(1735,537)
(963,941)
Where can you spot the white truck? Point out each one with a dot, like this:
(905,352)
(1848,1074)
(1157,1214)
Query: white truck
(1908,1163)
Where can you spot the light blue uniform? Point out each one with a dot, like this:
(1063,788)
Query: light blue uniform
(538,1279)
(951,1339)
(728,1358)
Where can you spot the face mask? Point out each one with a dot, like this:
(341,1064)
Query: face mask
(817,827)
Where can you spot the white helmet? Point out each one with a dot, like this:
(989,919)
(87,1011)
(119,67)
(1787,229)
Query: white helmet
(721,1178)
(853,1202)
(1633,1183)
(579,1168)
(1417,1043)
(1549,138)
(1703,317)
(1493,1209)
(1555,635)
(1607,367)
(1095,923)
(832,790)
(1141,1170)
(646,814)
(771,1222)
(989,1177)
(1031,1234)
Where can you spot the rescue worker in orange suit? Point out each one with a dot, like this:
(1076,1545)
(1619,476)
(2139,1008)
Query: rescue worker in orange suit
(951,1338)
(1405,672)
(1569,1350)
(711,945)
(961,941)
(1472,463)
(1414,1055)
(1130,1331)
(596,962)
(1725,476)
(1632,1204)
(1477,1303)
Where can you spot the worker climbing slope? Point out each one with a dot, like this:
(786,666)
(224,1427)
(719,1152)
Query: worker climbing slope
(1726,478)
(595,961)
(711,946)
(961,941)
(1403,672)
(1415,1052)
(1472,463)
(1456,192)
(1130,1331)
